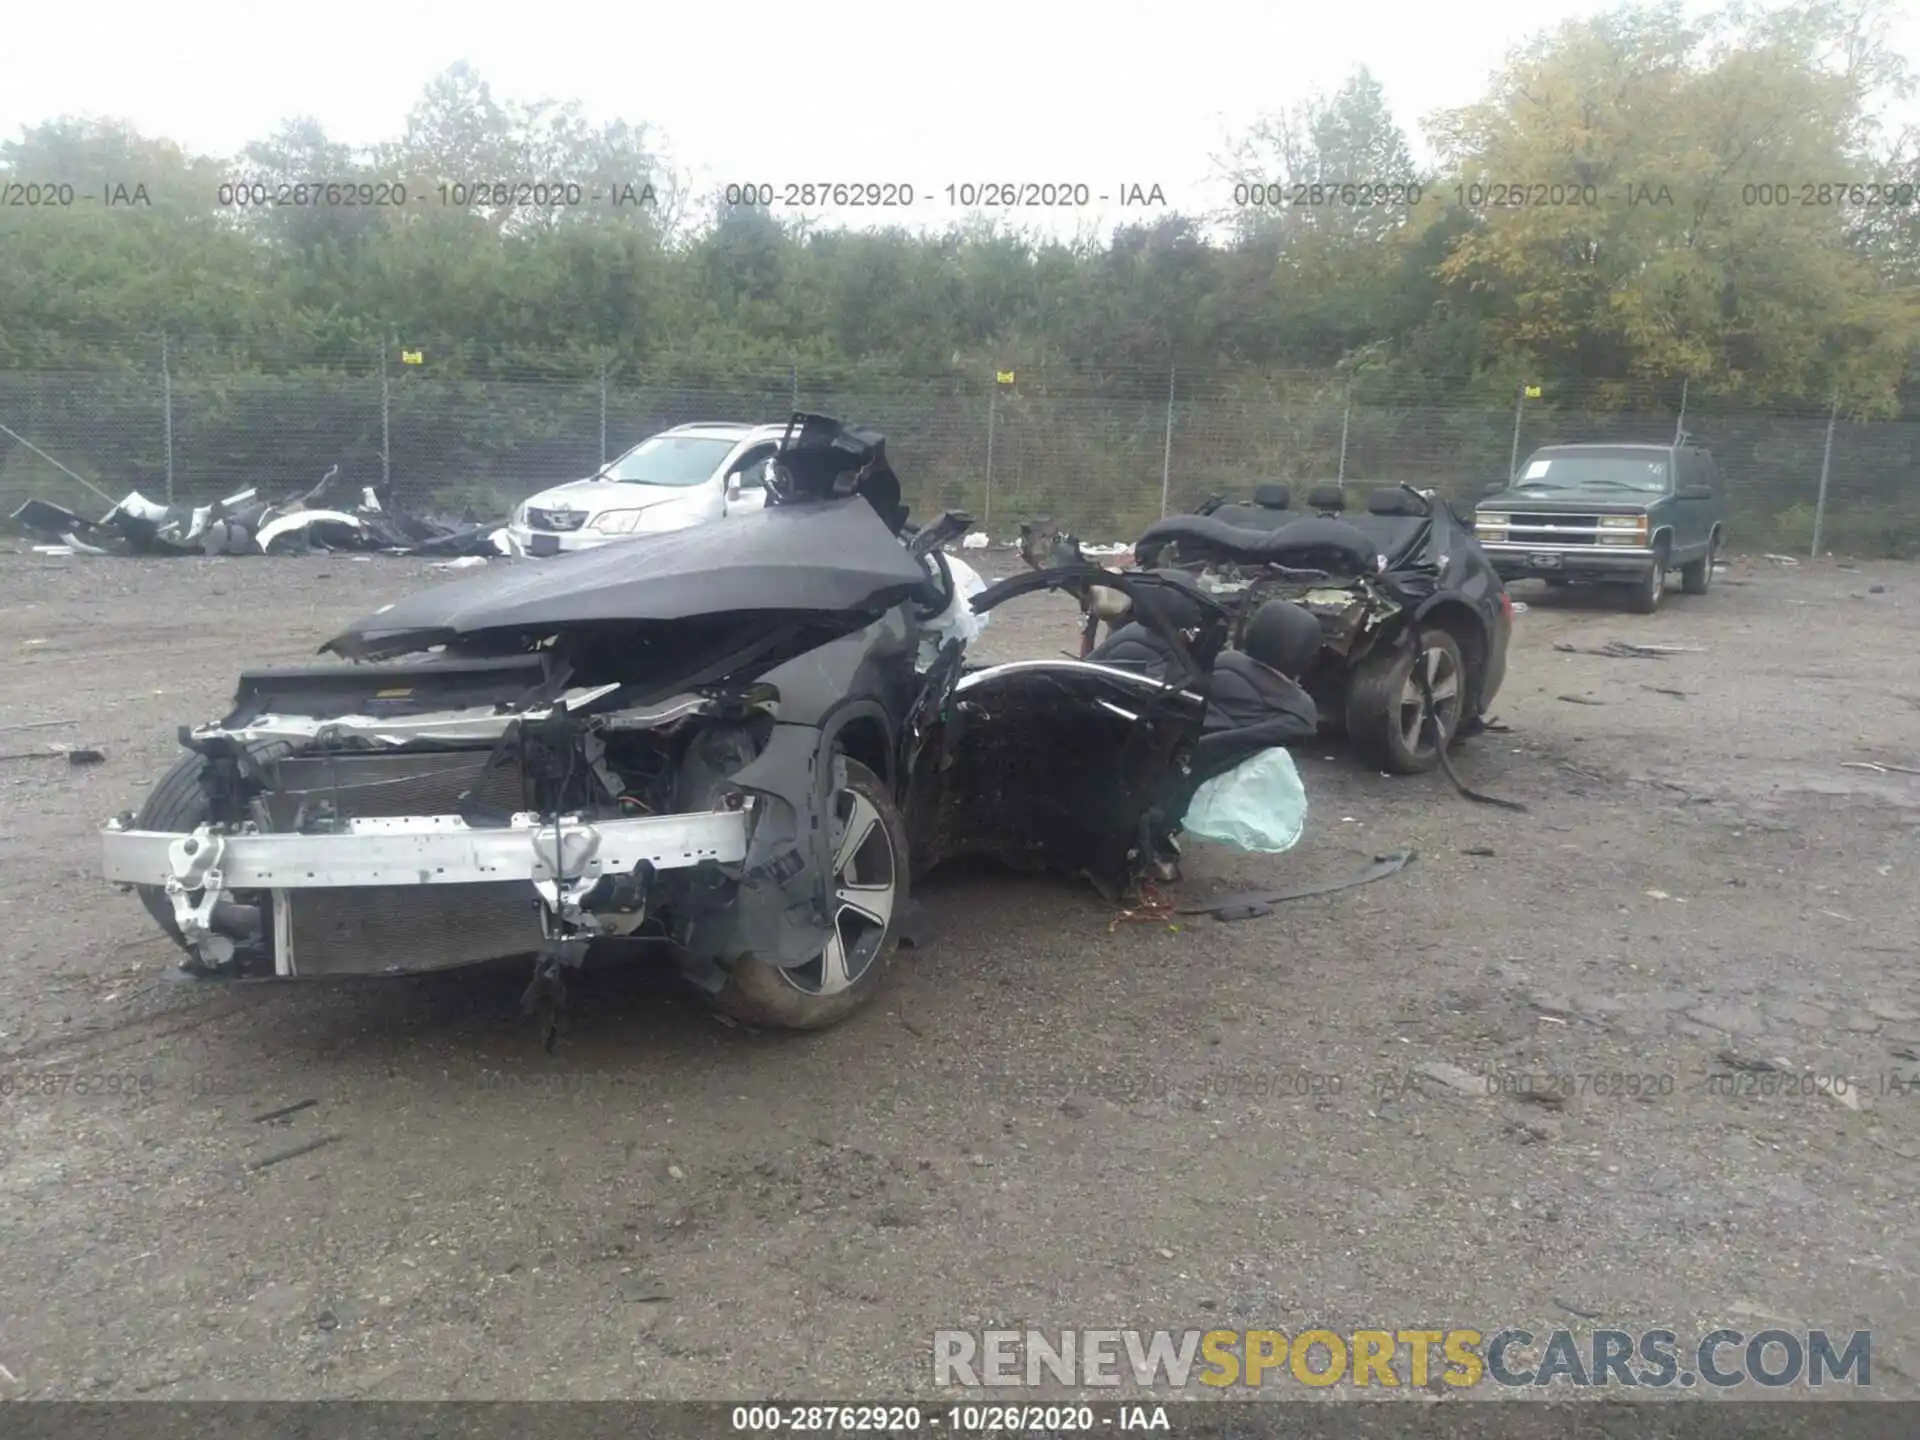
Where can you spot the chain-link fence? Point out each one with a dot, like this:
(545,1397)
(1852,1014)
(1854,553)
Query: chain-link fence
(1102,451)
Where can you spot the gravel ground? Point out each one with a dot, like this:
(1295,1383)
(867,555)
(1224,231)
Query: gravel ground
(1043,1121)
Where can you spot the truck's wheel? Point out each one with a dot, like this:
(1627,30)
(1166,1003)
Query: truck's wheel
(1648,591)
(869,895)
(1697,575)
(177,803)
(1386,707)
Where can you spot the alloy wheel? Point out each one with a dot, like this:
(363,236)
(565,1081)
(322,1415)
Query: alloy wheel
(864,885)
(1443,677)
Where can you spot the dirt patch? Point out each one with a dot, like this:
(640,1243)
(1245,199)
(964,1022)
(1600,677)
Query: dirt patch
(1039,1122)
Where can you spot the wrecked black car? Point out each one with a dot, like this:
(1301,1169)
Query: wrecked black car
(737,743)
(1415,621)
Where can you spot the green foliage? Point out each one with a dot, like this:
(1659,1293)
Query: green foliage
(277,319)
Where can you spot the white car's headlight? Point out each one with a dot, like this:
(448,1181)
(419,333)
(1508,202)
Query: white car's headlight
(616,522)
(651,521)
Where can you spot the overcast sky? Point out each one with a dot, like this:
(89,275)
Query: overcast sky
(1112,93)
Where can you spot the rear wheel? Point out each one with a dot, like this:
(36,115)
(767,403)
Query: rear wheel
(1696,576)
(1386,705)
(868,896)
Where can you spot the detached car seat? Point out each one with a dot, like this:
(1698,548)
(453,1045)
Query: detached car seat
(1253,703)
(1327,499)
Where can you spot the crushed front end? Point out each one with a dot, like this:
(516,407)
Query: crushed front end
(426,822)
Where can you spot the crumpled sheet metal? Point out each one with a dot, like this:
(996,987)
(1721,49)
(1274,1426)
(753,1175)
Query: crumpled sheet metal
(243,524)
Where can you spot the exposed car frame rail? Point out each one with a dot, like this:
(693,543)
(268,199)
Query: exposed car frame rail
(562,861)
(422,850)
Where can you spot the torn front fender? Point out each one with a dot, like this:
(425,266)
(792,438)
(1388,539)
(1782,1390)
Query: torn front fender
(779,910)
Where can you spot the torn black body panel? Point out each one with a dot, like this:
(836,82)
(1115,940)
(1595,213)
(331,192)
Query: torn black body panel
(823,559)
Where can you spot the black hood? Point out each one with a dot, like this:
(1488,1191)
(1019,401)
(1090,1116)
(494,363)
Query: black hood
(826,556)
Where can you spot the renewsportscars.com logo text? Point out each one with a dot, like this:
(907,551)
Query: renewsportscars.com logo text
(1414,1358)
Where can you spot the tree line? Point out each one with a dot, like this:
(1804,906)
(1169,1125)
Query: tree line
(1636,199)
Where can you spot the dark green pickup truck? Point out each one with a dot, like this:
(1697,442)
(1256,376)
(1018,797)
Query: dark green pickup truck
(1608,514)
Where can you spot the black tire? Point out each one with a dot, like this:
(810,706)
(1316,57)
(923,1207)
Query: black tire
(177,803)
(1696,576)
(765,995)
(1650,588)
(1383,704)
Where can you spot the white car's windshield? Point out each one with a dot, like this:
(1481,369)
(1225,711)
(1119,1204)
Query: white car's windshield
(670,460)
(1594,472)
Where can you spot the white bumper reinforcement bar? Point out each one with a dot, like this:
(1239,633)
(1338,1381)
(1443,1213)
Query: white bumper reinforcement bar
(421,850)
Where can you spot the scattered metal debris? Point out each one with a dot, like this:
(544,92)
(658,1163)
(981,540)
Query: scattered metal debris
(72,754)
(295,1153)
(37,725)
(1624,650)
(1781,559)
(1457,1079)
(1579,700)
(1153,906)
(1251,904)
(1879,769)
(1666,690)
(284,1111)
(243,524)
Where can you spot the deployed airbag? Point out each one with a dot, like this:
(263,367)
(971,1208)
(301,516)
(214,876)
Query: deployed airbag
(1258,805)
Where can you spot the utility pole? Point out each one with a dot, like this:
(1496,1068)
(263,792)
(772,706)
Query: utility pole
(1680,425)
(166,390)
(386,422)
(993,399)
(1166,455)
(1826,468)
(1513,457)
(1346,416)
(603,417)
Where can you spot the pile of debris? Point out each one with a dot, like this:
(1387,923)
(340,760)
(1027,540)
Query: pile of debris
(246,525)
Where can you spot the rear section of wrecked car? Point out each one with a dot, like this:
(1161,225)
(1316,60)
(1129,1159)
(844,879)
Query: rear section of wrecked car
(739,741)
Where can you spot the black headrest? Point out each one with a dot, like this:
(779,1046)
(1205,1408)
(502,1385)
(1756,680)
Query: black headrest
(1327,497)
(1395,501)
(1272,495)
(1283,637)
